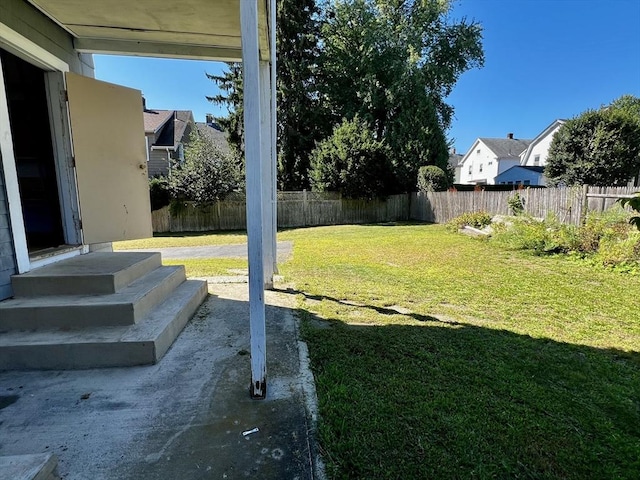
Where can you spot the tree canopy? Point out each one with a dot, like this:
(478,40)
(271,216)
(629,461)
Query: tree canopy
(207,173)
(598,147)
(389,63)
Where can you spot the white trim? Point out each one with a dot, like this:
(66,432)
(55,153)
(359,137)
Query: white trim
(11,183)
(251,83)
(24,48)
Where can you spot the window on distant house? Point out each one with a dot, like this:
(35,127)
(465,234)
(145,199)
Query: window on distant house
(470,169)
(490,163)
(527,182)
(509,183)
(536,160)
(480,167)
(518,182)
(478,152)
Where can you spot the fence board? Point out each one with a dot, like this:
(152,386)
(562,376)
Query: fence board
(567,204)
(295,209)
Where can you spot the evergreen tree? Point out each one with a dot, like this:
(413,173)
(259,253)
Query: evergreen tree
(230,82)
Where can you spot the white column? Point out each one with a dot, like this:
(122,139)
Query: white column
(251,79)
(274,136)
(267,176)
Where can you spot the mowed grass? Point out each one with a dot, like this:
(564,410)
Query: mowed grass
(441,356)
(189,239)
(195,267)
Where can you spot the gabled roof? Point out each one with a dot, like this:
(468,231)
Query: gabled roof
(155,119)
(539,170)
(506,147)
(555,124)
(454,159)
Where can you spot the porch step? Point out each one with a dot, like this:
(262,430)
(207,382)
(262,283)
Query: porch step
(98,273)
(40,466)
(142,343)
(125,307)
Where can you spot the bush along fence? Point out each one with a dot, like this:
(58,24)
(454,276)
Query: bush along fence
(569,205)
(295,209)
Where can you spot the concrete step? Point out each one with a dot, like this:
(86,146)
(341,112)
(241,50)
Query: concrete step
(142,343)
(95,273)
(39,466)
(125,307)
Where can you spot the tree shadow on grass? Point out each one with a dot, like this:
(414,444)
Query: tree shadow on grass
(452,400)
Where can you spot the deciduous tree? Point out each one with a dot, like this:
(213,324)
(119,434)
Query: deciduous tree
(598,147)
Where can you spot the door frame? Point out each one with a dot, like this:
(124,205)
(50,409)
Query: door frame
(53,67)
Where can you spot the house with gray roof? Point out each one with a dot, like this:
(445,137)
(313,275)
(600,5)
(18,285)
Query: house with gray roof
(166,132)
(489,157)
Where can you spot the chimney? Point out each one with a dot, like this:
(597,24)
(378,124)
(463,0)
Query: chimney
(510,136)
(144,104)
(209,119)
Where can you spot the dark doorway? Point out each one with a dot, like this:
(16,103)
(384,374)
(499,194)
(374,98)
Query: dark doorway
(35,163)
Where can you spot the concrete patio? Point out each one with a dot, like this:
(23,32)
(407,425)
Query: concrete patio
(182,418)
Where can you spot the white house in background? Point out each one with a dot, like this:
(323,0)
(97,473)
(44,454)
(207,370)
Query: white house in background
(536,154)
(489,157)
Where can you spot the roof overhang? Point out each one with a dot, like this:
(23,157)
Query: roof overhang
(195,29)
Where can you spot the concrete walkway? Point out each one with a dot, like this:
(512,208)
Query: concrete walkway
(183,418)
(216,251)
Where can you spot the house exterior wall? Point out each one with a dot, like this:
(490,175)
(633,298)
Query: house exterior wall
(158,162)
(480,163)
(26,20)
(22,18)
(517,175)
(540,148)
(8,265)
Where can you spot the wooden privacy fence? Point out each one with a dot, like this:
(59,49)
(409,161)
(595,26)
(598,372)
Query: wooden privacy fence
(569,205)
(295,209)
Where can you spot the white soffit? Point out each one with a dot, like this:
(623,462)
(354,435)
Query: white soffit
(179,28)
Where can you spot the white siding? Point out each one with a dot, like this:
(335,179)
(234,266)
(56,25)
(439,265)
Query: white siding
(480,163)
(540,148)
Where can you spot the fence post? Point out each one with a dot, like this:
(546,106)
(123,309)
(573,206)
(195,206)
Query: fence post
(585,204)
(304,207)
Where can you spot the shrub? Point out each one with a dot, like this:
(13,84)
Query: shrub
(207,173)
(159,193)
(471,219)
(432,179)
(516,204)
(351,162)
(616,252)
(612,223)
(540,237)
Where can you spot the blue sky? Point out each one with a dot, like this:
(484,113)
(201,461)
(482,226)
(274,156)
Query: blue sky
(544,59)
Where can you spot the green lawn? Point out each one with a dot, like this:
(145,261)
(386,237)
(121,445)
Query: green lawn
(441,356)
(190,239)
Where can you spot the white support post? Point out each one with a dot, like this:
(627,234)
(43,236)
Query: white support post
(274,134)
(251,80)
(267,211)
